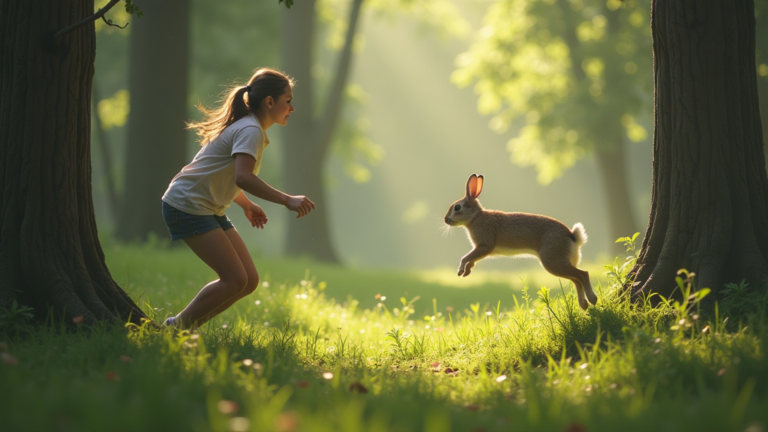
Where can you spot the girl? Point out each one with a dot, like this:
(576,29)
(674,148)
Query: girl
(233,138)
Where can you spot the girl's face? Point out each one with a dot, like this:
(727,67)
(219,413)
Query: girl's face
(281,109)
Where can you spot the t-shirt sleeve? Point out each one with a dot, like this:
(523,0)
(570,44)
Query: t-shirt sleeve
(248,140)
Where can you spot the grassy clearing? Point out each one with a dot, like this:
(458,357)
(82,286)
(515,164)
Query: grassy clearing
(309,352)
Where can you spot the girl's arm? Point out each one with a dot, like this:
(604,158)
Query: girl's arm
(242,200)
(247,181)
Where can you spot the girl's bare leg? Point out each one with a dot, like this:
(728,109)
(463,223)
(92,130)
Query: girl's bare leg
(250,269)
(216,250)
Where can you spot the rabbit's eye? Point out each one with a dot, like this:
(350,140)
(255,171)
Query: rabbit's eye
(457,207)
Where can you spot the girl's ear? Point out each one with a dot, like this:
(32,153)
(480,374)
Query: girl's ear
(269,101)
(474,187)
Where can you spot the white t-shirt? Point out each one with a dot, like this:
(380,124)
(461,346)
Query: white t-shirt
(207,185)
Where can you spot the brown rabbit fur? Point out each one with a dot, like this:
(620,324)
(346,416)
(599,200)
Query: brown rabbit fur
(496,233)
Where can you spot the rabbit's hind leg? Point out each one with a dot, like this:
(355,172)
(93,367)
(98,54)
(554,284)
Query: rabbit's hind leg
(591,296)
(562,267)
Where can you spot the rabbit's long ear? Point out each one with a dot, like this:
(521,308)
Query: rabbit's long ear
(474,187)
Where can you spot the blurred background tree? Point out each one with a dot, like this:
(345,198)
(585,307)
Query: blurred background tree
(158,82)
(317,118)
(575,77)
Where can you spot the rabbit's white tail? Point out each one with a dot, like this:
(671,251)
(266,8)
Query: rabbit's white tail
(579,238)
(579,234)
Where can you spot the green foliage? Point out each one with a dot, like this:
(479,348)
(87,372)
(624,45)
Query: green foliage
(16,319)
(577,73)
(289,357)
(131,9)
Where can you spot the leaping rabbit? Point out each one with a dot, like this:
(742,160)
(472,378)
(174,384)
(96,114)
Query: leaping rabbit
(494,233)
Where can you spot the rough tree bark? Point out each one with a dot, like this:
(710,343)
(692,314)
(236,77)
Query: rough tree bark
(708,206)
(308,137)
(50,256)
(156,143)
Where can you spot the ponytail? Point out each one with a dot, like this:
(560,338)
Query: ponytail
(239,101)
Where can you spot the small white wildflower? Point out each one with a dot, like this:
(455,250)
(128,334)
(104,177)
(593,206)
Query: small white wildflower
(258,302)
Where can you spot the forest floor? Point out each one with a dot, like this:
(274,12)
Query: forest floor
(323,348)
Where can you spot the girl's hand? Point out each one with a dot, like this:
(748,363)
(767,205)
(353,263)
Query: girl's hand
(300,204)
(256,215)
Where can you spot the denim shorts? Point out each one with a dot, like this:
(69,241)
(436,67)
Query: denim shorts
(182,224)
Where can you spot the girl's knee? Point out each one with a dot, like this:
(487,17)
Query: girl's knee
(251,285)
(236,283)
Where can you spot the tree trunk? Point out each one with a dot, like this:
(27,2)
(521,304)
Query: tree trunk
(308,136)
(156,144)
(708,205)
(613,168)
(50,256)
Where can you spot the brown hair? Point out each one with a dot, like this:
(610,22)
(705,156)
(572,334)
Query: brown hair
(234,104)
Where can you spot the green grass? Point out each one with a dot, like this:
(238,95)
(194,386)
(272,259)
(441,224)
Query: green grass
(312,350)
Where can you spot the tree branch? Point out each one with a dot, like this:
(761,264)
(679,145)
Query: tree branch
(63,32)
(110,23)
(336,93)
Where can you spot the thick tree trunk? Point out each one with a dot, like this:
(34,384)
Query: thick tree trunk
(156,145)
(303,159)
(762,92)
(50,256)
(613,168)
(708,208)
(308,136)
